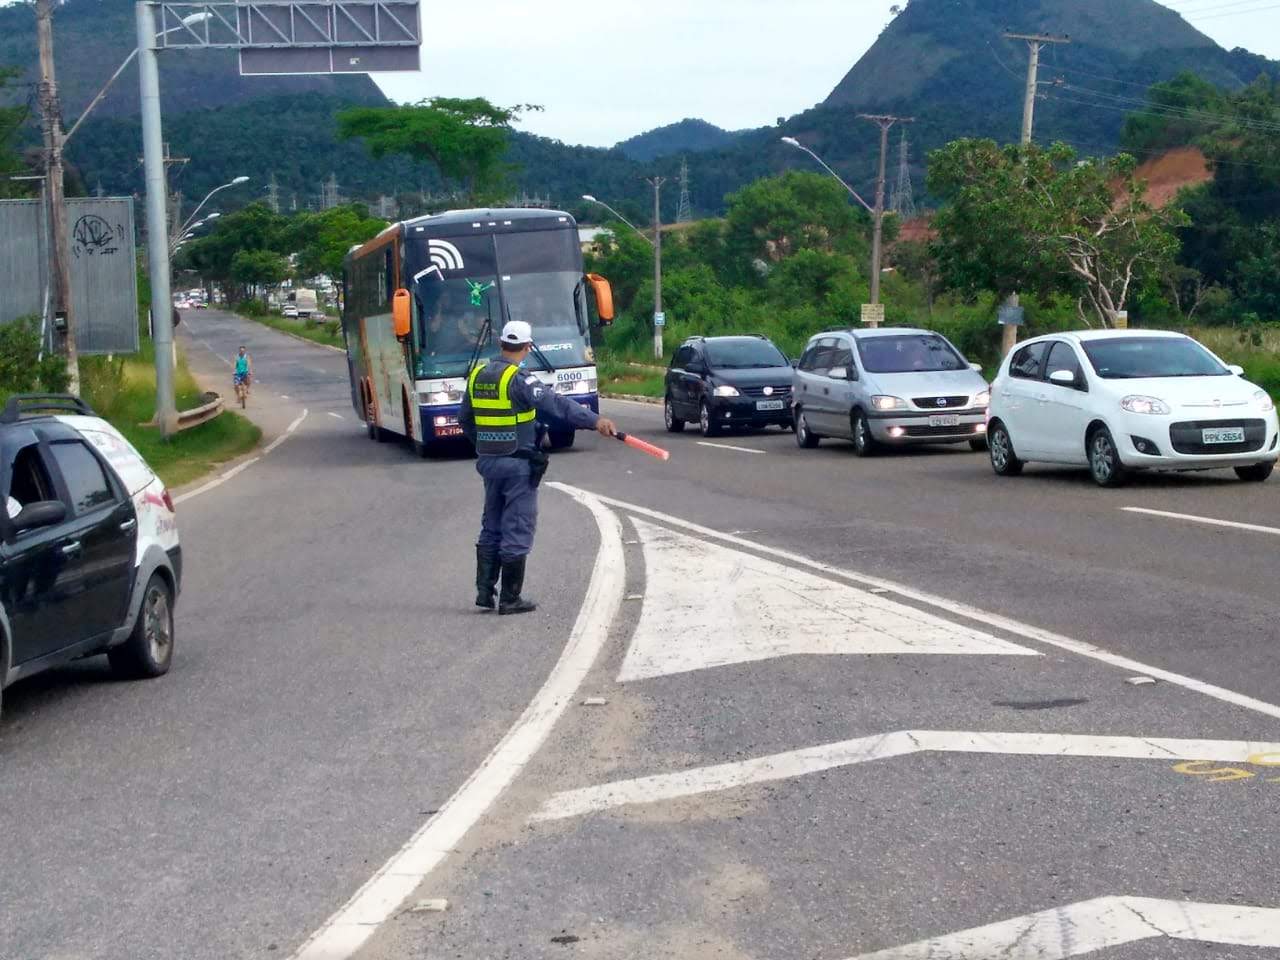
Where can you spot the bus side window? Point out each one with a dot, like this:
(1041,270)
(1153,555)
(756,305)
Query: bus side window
(390,275)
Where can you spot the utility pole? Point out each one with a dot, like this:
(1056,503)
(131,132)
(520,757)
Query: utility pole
(659,318)
(59,240)
(884,122)
(1035,43)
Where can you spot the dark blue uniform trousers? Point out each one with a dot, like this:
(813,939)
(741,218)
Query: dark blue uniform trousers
(510,507)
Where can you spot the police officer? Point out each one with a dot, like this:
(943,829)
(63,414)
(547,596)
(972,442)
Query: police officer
(499,414)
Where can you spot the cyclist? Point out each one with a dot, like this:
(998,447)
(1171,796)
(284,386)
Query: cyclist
(243,374)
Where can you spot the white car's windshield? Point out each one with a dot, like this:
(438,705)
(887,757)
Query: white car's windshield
(1137,358)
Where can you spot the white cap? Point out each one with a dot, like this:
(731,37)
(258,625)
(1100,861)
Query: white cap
(517,333)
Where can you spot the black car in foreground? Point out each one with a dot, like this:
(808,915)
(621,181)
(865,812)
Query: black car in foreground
(728,382)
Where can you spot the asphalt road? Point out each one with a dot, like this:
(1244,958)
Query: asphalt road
(898,769)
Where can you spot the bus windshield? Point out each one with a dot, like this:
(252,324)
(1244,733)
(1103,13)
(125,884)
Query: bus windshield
(452,314)
(549,302)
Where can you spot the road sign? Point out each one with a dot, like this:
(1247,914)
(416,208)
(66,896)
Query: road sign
(659,319)
(873,313)
(1011,316)
(277,37)
(1122,320)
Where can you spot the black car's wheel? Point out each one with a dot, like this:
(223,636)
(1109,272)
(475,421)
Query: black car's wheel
(805,438)
(674,423)
(561,439)
(1003,460)
(709,427)
(978,446)
(149,650)
(1104,460)
(1255,472)
(864,444)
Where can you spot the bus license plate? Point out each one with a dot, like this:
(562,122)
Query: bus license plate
(945,420)
(770,405)
(448,431)
(1223,435)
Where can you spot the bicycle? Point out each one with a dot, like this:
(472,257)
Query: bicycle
(242,389)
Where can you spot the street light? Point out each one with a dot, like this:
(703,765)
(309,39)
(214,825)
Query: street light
(590,199)
(231,183)
(659,318)
(877,216)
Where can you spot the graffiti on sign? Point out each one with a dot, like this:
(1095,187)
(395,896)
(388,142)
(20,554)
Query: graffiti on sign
(94,236)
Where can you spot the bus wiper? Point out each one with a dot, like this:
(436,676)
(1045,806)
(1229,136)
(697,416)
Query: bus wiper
(542,358)
(486,331)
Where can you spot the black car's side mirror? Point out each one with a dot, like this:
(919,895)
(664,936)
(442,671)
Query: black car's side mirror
(46,513)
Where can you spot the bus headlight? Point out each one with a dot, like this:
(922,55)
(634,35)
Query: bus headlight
(439,393)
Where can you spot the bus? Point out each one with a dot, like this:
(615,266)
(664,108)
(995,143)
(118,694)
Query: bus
(427,298)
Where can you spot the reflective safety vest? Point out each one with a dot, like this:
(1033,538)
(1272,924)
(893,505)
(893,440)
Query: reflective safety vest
(497,420)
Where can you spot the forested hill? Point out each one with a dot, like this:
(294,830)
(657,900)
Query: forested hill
(683,137)
(92,37)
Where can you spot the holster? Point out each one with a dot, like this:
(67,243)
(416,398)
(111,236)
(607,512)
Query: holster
(538,463)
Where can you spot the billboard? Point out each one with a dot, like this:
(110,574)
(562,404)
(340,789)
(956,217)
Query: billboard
(104,278)
(276,37)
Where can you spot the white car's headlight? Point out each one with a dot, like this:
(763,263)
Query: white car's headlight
(882,402)
(1140,404)
(982,399)
(725,391)
(1265,401)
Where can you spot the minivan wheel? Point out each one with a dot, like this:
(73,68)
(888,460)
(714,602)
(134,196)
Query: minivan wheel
(1104,460)
(864,444)
(805,438)
(1003,460)
(1256,472)
(709,427)
(674,423)
(149,650)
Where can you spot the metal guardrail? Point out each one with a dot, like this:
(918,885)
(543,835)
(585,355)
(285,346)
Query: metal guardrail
(212,406)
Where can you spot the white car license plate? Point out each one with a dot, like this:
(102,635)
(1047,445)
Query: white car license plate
(1223,435)
(945,420)
(770,405)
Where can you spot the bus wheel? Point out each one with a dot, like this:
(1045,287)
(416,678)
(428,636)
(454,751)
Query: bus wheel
(561,440)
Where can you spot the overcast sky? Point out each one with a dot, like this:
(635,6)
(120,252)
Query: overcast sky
(608,69)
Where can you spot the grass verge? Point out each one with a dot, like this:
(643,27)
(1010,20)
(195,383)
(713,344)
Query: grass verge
(123,390)
(329,333)
(619,377)
(1255,349)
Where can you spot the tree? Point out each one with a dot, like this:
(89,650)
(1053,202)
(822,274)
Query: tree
(253,228)
(258,268)
(321,240)
(464,139)
(1036,220)
(11,120)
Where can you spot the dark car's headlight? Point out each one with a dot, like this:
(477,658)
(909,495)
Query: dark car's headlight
(724,390)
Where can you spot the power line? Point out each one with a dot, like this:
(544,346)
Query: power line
(1174,111)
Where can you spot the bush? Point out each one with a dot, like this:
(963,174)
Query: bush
(251,308)
(22,369)
(103,383)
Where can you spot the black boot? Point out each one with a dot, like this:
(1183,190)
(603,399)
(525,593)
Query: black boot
(512,583)
(488,566)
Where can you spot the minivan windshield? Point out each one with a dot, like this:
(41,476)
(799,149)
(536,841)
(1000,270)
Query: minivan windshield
(744,355)
(909,353)
(1136,358)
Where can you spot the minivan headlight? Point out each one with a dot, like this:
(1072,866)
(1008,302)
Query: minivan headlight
(1140,404)
(882,402)
(982,399)
(724,390)
(1265,401)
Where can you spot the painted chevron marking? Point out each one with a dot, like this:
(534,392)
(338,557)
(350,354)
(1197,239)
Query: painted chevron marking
(1092,925)
(798,763)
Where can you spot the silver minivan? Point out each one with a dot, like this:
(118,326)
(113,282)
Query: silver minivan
(888,386)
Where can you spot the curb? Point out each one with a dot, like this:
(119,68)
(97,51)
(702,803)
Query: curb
(633,398)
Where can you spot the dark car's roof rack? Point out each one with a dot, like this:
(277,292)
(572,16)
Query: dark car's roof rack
(43,404)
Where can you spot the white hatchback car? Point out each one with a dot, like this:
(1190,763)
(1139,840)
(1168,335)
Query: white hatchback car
(1124,400)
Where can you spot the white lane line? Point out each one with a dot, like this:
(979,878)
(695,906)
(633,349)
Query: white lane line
(1025,630)
(900,743)
(379,899)
(729,446)
(284,396)
(1076,929)
(240,467)
(1208,521)
(336,416)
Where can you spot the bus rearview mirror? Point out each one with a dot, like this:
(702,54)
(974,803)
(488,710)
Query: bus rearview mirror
(604,298)
(401,318)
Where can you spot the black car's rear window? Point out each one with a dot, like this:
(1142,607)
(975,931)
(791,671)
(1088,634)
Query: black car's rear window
(744,355)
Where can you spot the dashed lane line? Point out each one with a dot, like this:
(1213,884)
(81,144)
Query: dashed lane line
(730,446)
(1008,624)
(336,416)
(379,899)
(900,743)
(241,467)
(1208,521)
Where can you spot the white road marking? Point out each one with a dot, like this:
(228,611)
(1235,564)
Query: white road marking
(1008,624)
(284,396)
(900,743)
(1208,521)
(729,446)
(1080,928)
(374,903)
(336,416)
(240,467)
(762,609)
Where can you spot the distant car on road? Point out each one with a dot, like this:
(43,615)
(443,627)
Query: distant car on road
(90,560)
(1124,400)
(888,386)
(289,310)
(726,382)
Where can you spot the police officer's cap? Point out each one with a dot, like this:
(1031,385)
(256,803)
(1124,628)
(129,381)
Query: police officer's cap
(517,333)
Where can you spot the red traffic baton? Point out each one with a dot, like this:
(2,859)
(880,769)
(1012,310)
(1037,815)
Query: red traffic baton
(644,447)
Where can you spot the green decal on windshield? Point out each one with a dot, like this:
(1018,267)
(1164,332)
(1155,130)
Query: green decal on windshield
(478,290)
